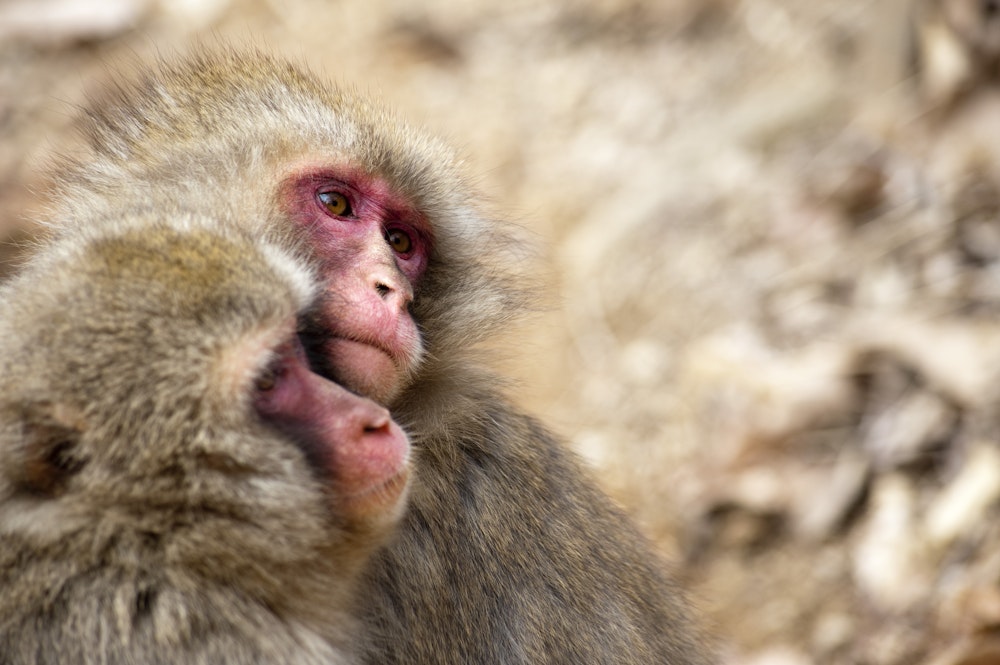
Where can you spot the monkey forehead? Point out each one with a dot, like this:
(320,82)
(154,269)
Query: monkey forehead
(148,291)
(197,258)
(247,109)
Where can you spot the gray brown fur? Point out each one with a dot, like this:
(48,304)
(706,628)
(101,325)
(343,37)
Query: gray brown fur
(509,552)
(145,517)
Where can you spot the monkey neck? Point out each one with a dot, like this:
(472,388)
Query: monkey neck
(443,409)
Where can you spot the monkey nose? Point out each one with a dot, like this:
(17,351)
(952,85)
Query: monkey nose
(392,291)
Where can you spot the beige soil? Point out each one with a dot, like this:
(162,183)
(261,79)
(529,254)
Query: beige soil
(773,275)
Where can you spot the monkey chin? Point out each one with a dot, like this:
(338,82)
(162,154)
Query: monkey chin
(378,506)
(366,369)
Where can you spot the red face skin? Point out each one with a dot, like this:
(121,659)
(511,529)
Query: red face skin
(352,441)
(373,247)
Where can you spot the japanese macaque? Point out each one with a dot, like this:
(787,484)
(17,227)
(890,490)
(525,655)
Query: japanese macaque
(176,484)
(507,552)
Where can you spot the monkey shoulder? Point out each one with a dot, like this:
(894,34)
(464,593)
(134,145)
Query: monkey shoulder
(54,611)
(513,541)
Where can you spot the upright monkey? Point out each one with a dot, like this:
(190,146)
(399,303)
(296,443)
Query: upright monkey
(508,552)
(176,485)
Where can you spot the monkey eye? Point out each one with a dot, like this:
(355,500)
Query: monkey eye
(268,379)
(335,203)
(399,240)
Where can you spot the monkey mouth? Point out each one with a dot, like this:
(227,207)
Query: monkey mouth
(367,368)
(377,500)
(320,333)
(381,348)
(362,356)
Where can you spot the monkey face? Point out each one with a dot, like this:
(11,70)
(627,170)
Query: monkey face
(372,248)
(171,376)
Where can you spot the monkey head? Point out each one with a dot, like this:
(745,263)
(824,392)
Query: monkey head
(415,274)
(153,386)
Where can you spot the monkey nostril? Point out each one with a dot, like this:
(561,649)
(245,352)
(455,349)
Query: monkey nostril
(394,295)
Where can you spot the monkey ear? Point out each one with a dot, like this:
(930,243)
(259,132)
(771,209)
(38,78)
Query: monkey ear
(47,452)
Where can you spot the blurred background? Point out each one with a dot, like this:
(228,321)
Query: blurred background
(771,236)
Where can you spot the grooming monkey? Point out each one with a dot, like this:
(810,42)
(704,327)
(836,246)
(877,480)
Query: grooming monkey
(508,552)
(176,485)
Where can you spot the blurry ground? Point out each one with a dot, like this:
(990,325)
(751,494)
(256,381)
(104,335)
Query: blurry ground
(775,275)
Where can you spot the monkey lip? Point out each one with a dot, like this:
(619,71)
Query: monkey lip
(346,343)
(365,367)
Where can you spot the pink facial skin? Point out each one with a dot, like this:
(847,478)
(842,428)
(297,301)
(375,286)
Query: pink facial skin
(373,248)
(352,441)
